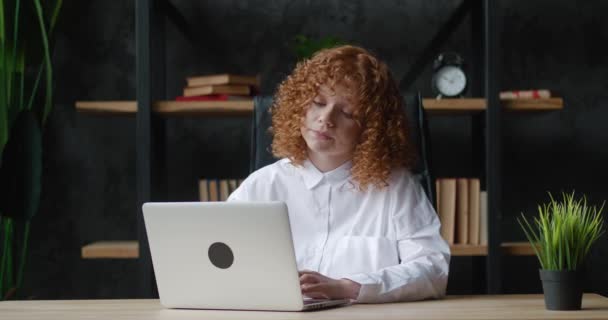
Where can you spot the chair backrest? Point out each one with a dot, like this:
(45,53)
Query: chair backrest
(419,135)
(261,154)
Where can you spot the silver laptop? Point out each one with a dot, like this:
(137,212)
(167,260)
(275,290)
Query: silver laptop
(225,255)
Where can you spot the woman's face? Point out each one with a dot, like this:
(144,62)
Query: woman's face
(329,127)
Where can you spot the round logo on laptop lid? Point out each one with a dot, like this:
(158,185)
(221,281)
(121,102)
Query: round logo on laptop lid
(221,255)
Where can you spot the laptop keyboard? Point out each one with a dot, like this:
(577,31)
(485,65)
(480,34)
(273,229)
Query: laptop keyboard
(311,301)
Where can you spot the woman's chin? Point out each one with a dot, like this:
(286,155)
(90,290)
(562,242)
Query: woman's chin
(321,146)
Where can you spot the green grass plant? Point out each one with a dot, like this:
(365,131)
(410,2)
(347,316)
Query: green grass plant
(564,231)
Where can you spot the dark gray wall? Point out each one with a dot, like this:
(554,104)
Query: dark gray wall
(89,161)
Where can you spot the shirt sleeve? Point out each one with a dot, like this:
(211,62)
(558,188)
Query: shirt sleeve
(423,254)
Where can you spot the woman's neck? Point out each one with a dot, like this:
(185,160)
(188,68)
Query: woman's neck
(327,163)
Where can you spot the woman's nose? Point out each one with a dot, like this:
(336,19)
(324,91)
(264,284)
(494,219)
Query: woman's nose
(326,116)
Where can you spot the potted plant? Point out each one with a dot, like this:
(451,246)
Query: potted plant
(562,236)
(25,102)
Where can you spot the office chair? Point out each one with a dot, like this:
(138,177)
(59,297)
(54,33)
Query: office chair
(261,154)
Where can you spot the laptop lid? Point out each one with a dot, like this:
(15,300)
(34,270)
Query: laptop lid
(223,255)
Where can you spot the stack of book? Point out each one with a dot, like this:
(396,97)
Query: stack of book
(462,210)
(525,94)
(219,87)
(217,189)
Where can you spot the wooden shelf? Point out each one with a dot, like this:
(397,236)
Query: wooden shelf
(111,250)
(130,250)
(508,248)
(531,105)
(107,107)
(234,108)
(517,249)
(468,250)
(451,106)
(474,105)
(239,108)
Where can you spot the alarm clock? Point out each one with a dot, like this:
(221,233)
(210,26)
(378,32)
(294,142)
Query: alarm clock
(449,79)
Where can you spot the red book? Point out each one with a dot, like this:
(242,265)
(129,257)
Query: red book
(212,97)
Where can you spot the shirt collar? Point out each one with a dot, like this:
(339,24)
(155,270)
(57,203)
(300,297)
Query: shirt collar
(313,177)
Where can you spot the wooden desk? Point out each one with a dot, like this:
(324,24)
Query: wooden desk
(454,307)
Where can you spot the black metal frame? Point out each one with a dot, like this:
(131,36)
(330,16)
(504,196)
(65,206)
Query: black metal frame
(478,129)
(493,148)
(150,130)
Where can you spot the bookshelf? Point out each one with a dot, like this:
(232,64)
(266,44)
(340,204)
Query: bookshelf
(151,101)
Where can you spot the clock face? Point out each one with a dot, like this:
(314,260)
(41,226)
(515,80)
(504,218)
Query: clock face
(450,81)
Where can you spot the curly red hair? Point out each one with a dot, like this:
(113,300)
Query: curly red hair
(384,141)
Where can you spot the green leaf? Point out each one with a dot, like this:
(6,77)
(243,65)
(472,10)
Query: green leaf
(532,238)
(47,62)
(2,23)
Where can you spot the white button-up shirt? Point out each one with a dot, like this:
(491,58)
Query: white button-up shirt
(385,239)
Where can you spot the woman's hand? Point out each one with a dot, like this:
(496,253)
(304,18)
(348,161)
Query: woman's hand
(318,286)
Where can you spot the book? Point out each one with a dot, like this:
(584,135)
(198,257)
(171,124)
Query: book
(217,189)
(525,94)
(447,208)
(232,185)
(203,190)
(215,79)
(224,193)
(212,97)
(437,195)
(474,189)
(462,211)
(483,218)
(213,190)
(217,89)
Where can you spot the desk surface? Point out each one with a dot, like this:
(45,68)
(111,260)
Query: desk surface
(454,307)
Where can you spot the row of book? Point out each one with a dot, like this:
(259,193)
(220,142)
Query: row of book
(217,189)
(220,87)
(462,210)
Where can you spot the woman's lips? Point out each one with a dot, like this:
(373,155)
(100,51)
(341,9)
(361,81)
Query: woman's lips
(321,135)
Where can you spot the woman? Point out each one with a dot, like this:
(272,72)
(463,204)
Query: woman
(362,226)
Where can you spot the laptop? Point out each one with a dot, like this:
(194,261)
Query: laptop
(225,255)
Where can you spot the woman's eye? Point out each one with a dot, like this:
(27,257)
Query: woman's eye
(318,103)
(347,115)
